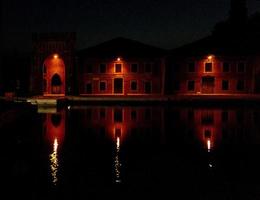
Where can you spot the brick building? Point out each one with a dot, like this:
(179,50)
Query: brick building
(52,64)
(226,62)
(121,67)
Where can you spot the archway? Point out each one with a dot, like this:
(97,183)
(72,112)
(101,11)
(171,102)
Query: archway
(56,84)
(54,75)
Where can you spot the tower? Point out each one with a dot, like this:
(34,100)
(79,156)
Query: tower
(52,64)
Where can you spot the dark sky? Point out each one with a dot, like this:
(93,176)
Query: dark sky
(164,23)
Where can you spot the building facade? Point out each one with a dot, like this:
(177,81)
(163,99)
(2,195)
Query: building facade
(211,74)
(52,64)
(121,67)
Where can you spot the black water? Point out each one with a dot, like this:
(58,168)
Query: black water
(129,152)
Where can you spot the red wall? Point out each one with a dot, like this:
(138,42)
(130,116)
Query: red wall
(155,77)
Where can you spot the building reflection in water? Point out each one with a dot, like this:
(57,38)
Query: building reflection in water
(54,132)
(135,128)
(124,126)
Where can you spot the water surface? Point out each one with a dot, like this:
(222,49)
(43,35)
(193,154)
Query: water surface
(126,152)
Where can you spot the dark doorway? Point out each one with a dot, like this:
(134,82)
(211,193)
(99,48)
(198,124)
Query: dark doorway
(118,85)
(208,84)
(56,84)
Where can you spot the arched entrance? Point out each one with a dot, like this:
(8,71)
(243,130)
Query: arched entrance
(53,76)
(56,84)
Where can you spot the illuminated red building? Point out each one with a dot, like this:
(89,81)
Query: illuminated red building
(121,67)
(226,62)
(53,64)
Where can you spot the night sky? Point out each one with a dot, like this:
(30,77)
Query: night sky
(164,23)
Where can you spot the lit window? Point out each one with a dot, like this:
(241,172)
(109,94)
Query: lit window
(208,67)
(118,68)
(134,68)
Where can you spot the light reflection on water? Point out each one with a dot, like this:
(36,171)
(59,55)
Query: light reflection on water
(54,162)
(137,131)
(117,161)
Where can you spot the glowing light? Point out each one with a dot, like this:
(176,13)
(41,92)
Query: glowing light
(210,165)
(56,56)
(54,162)
(210,57)
(209,145)
(117,161)
(118,59)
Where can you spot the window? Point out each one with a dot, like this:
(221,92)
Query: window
(118,115)
(147,87)
(191,67)
(88,88)
(89,69)
(225,84)
(102,86)
(148,68)
(191,85)
(208,67)
(226,67)
(118,68)
(133,115)
(134,85)
(241,67)
(240,85)
(102,68)
(102,113)
(134,68)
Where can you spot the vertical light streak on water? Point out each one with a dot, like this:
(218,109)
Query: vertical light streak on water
(117,161)
(54,162)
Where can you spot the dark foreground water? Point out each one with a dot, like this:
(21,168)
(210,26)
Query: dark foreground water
(132,152)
